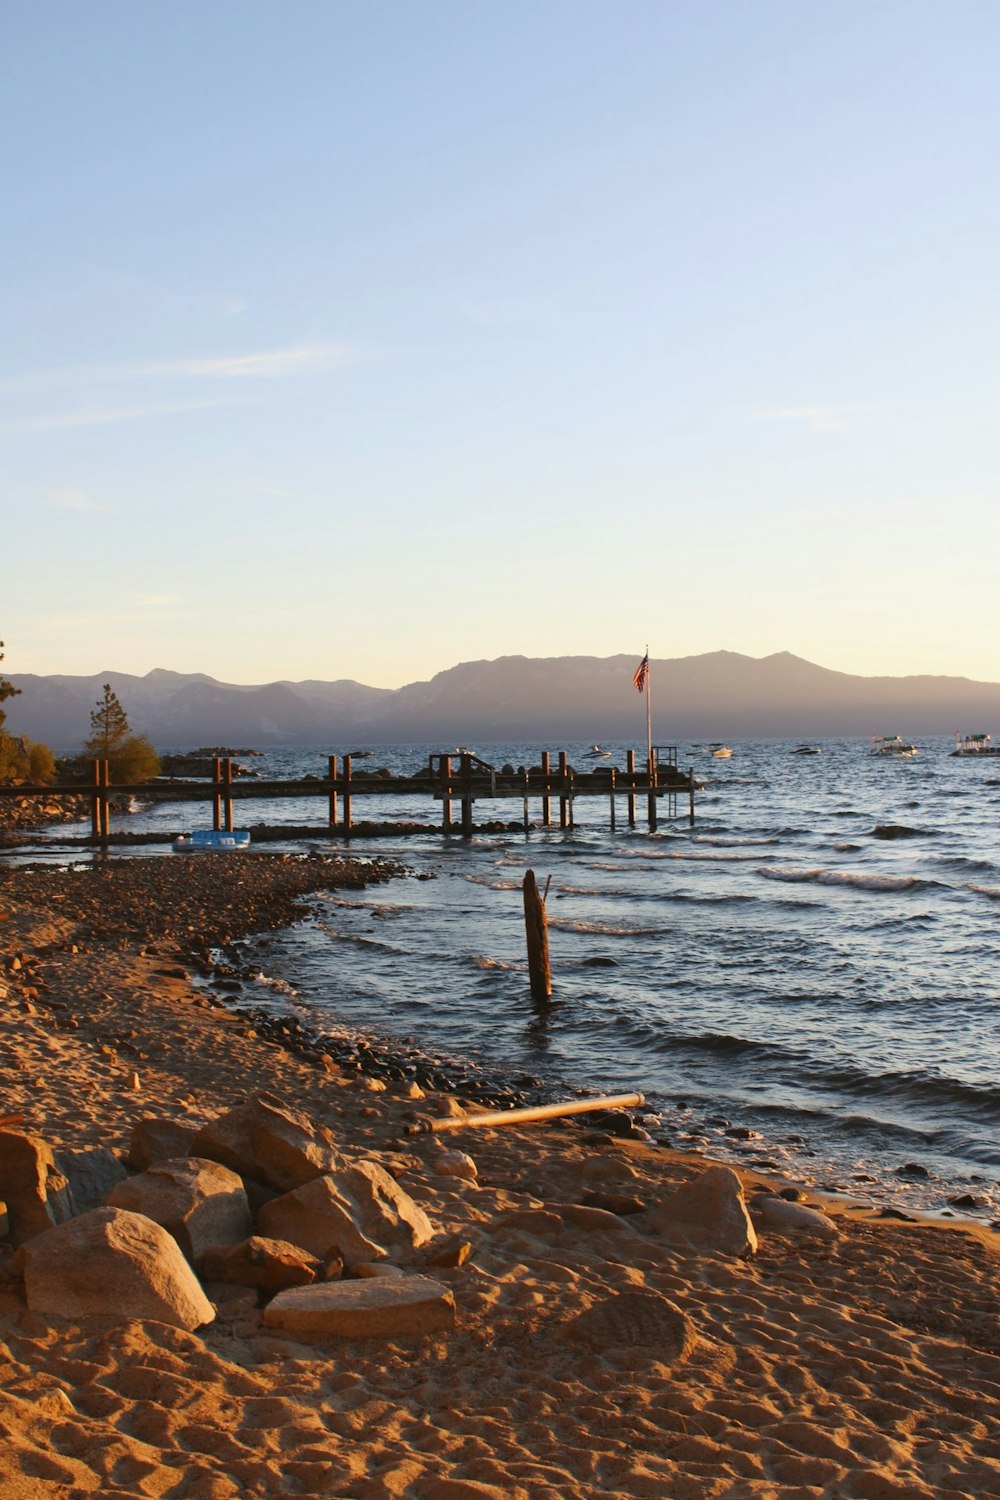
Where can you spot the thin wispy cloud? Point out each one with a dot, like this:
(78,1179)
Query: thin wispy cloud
(77,500)
(839,418)
(273,364)
(108,415)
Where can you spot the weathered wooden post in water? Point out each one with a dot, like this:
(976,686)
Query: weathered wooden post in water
(332,777)
(536,927)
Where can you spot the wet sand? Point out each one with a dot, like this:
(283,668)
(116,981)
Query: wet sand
(861,1367)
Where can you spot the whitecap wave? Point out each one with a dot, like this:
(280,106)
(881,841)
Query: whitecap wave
(605,929)
(483,961)
(992,892)
(271,982)
(850,878)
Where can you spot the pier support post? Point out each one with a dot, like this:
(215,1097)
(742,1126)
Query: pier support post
(217,792)
(347,795)
(546,807)
(95,800)
(100,810)
(563,798)
(446,792)
(536,927)
(527,821)
(466,796)
(691,796)
(614,777)
(651,796)
(332,771)
(630,768)
(105,802)
(227,778)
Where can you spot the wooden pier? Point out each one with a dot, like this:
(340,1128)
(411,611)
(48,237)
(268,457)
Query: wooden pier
(459,779)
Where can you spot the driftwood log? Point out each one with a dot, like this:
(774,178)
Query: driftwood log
(526,1116)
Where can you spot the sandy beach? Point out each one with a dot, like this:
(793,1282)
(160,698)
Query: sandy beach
(593,1352)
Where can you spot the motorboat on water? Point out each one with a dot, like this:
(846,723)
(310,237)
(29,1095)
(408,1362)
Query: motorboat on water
(975,744)
(807,750)
(721,752)
(893,745)
(211,841)
(597,752)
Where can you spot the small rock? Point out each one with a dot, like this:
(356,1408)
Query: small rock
(456,1164)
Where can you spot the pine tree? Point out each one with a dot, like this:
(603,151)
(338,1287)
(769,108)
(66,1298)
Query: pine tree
(108,726)
(7,690)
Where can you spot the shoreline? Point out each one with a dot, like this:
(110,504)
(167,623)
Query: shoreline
(223,973)
(861,1366)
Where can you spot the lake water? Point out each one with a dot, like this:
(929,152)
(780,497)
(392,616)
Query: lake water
(775,966)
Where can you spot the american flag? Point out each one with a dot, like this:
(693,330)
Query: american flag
(640,674)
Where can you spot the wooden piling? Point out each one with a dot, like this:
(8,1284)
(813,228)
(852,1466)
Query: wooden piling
(651,797)
(347,794)
(227,794)
(105,801)
(614,778)
(630,768)
(536,927)
(95,801)
(563,798)
(466,766)
(546,805)
(332,772)
(217,792)
(527,821)
(445,792)
(691,796)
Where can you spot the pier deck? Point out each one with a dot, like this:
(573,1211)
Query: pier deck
(463,779)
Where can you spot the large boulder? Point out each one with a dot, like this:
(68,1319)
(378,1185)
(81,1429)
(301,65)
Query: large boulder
(708,1213)
(154,1139)
(384,1209)
(383,1306)
(267,1141)
(356,1213)
(112,1262)
(319,1218)
(90,1174)
(199,1202)
(35,1191)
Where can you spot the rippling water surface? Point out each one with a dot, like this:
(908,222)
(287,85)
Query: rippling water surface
(775,966)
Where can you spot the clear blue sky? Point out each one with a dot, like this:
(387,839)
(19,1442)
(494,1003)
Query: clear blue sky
(356,340)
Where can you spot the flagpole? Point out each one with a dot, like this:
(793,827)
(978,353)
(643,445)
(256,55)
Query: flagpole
(649,714)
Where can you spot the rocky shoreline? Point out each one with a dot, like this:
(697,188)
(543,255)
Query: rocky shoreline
(608,1316)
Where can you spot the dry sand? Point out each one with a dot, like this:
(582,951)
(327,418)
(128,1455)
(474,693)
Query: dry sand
(866,1368)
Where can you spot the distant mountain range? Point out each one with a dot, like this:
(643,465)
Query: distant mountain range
(717,696)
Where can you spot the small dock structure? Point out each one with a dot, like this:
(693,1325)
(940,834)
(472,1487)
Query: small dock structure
(456,780)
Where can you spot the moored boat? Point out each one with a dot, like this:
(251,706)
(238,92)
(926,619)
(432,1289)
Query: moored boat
(721,752)
(975,744)
(806,750)
(211,841)
(893,745)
